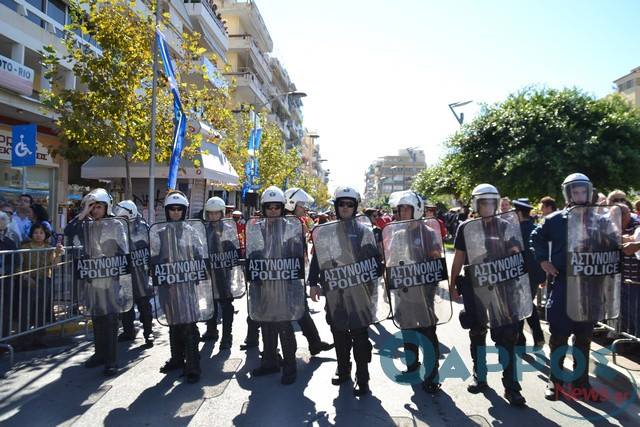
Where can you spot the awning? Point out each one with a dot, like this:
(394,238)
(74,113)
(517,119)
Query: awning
(214,166)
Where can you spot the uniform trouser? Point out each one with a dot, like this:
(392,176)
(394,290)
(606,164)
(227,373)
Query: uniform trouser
(344,341)
(308,328)
(146,317)
(411,350)
(505,337)
(105,337)
(534,324)
(253,331)
(558,348)
(183,341)
(561,328)
(270,333)
(227,317)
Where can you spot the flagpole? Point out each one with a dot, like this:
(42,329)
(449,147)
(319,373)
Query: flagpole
(151,204)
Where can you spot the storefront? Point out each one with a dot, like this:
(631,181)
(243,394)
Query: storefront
(44,182)
(214,170)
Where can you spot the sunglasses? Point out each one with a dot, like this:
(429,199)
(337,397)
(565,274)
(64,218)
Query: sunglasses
(346,205)
(272,207)
(175,208)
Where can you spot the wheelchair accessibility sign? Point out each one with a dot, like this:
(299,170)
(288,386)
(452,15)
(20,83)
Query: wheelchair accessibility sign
(23,149)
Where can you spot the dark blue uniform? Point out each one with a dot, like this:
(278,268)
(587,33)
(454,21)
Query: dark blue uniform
(505,336)
(536,276)
(554,230)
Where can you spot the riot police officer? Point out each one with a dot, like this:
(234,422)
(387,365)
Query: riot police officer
(352,329)
(485,201)
(222,237)
(297,201)
(181,302)
(577,190)
(142,289)
(104,294)
(276,300)
(420,243)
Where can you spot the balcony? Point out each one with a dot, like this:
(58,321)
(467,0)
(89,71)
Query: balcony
(250,19)
(210,26)
(246,46)
(249,88)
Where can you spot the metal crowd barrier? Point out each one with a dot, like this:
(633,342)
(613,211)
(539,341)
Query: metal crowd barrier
(36,292)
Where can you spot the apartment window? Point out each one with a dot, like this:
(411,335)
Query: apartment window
(10,4)
(39,5)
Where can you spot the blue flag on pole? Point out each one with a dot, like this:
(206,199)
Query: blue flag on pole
(180,120)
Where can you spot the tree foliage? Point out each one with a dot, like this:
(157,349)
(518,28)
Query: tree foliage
(109,114)
(313,185)
(529,143)
(277,165)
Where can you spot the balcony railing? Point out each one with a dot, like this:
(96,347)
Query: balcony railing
(212,9)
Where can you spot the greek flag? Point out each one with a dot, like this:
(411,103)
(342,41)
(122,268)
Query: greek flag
(180,120)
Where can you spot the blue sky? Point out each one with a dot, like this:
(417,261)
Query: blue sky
(380,74)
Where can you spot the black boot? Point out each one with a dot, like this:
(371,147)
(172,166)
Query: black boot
(128,329)
(555,385)
(146,317)
(588,393)
(192,353)
(227,325)
(477,336)
(253,334)
(111,345)
(343,342)
(98,357)
(515,398)
(342,375)
(211,334)
(362,355)
(176,344)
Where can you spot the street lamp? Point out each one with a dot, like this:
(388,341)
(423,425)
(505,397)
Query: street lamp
(453,105)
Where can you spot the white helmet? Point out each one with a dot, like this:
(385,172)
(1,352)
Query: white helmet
(296,195)
(272,195)
(214,204)
(484,191)
(176,198)
(576,180)
(408,197)
(126,209)
(100,195)
(346,193)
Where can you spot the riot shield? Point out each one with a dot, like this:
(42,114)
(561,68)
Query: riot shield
(594,261)
(416,273)
(179,271)
(103,268)
(224,259)
(139,245)
(350,273)
(497,269)
(275,269)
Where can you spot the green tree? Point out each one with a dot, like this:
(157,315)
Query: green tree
(529,143)
(276,164)
(110,112)
(313,185)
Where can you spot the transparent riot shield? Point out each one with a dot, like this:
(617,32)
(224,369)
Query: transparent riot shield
(275,269)
(594,262)
(497,269)
(227,276)
(416,273)
(103,269)
(179,270)
(139,245)
(350,272)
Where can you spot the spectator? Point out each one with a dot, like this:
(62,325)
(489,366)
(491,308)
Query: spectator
(430,213)
(548,205)
(36,285)
(636,206)
(8,265)
(616,196)
(41,216)
(21,217)
(505,204)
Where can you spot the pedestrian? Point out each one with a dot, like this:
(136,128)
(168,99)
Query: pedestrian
(349,311)
(413,243)
(186,298)
(142,288)
(577,190)
(548,206)
(483,241)
(505,204)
